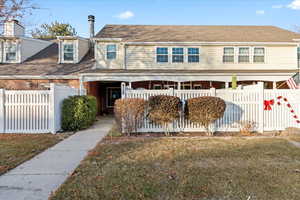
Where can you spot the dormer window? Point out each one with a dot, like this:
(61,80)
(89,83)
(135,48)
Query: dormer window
(111,51)
(10,49)
(68,53)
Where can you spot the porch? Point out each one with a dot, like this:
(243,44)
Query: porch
(105,85)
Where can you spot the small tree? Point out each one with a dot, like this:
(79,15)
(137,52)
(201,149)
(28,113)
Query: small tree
(163,110)
(49,31)
(129,113)
(205,111)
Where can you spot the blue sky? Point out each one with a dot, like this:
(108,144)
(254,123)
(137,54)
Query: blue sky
(282,13)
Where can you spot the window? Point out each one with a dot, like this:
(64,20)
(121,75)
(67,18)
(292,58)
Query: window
(68,52)
(228,56)
(198,86)
(10,51)
(244,55)
(111,51)
(193,55)
(162,55)
(157,86)
(177,55)
(259,55)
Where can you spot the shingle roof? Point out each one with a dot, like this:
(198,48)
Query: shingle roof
(45,63)
(167,33)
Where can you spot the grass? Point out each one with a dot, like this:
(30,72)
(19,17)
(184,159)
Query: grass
(17,148)
(186,168)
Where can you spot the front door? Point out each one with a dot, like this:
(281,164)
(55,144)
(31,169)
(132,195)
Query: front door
(112,94)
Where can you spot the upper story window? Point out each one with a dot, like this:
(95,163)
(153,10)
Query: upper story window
(244,55)
(162,55)
(10,51)
(259,55)
(228,55)
(68,53)
(177,55)
(193,55)
(111,51)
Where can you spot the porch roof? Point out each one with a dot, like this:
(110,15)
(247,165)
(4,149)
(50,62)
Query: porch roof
(184,75)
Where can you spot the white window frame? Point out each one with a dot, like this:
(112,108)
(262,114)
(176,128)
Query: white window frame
(259,55)
(106,51)
(63,52)
(5,44)
(249,54)
(184,55)
(234,55)
(187,54)
(156,54)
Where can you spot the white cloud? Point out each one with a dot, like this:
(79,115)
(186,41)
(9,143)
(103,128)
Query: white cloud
(277,6)
(260,12)
(125,15)
(295,5)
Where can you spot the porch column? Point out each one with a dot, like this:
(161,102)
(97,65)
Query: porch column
(210,84)
(274,85)
(226,85)
(178,85)
(129,85)
(81,86)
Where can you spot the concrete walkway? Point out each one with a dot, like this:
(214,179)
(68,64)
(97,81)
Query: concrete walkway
(38,177)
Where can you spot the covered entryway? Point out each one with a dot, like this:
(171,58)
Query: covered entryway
(106,92)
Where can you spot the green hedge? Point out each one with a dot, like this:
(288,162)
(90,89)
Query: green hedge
(78,112)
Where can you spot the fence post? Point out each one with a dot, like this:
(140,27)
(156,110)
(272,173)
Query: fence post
(123,90)
(2,111)
(52,108)
(213,92)
(261,107)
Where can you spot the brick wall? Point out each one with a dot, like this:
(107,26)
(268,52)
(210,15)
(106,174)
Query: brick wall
(35,84)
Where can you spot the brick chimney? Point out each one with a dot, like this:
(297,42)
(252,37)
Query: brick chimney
(13,28)
(91,19)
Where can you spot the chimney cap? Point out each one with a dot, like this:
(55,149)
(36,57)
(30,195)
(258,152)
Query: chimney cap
(91,18)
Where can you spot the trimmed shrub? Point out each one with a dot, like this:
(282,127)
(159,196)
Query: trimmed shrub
(129,114)
(163,110)
(78,112)
(205,110)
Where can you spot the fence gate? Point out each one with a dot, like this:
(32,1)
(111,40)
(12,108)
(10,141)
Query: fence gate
(32,111)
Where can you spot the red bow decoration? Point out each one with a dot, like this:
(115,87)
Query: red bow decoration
(268,104)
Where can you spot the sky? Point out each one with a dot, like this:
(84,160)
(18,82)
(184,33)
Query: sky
(282,13)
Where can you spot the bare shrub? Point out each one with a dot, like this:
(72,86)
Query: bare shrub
(129,114)
(205,111)
(163,110)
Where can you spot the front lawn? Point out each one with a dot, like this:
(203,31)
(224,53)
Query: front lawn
(186,168)
(17,148)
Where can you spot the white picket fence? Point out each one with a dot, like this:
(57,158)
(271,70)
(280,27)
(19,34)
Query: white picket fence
(242,105)
(33,111)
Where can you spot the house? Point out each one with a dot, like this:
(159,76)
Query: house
(149,57)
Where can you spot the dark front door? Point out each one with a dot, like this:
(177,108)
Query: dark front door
(112,94)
